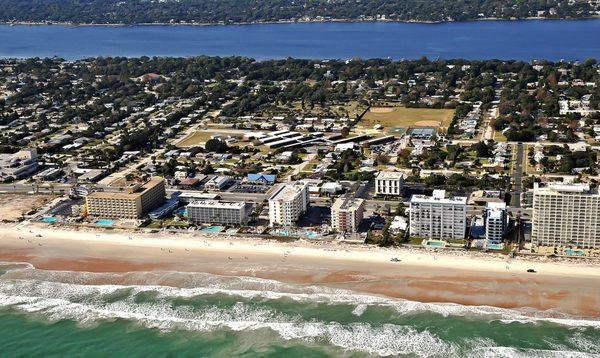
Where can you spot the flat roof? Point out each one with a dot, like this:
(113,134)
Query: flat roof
(559,188)
(347,204)
(495,205)
(217,204)
(457,200)
(390,175)
(126,193)
(288,191)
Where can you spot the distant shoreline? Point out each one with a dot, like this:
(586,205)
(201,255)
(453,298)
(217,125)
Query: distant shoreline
(283,22)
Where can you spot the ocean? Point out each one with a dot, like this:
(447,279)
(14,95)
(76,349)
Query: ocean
(518,40)
(60,313)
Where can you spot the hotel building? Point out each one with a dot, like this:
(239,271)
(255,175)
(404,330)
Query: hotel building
(496,220)
(389,183)
(217,212)
(566,215)
(288,204)
(436,217)
(133,202)
(346,214)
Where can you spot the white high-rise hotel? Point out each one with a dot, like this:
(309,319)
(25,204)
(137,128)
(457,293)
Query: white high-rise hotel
(288,204)
(437,217)
(566,215)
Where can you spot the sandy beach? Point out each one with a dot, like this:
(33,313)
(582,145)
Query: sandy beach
(424,276)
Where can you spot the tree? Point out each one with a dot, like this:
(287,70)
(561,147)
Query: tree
(216,145)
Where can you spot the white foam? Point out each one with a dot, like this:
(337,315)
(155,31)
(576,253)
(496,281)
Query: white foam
(40,283)
(510,352)
(359,309)
(355,336)
(578,340)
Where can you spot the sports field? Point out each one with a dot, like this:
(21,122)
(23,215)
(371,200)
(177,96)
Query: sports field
(196,138)
(407,117)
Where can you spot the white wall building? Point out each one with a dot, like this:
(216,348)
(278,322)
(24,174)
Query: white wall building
(389,183)
(216,183)
(565,215)
(288,204)
(18,165)
(346,214)
(496,220)
(217,212)
(437,217)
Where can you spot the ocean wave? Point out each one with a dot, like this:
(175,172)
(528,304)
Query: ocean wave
(170,285)
(87,299)
(511,352)
(241,317)
(359,309)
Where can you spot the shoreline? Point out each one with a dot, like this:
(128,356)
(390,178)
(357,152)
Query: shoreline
(284,22)
(423,276)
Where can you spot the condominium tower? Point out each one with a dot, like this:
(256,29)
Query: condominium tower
(133,202)
(496,220)
(288,204)
(438,217)
(346,214)
(566,215)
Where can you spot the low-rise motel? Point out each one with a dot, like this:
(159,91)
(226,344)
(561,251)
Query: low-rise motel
(217,212)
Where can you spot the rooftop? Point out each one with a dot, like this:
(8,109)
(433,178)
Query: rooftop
(131,191)
(390,175)
(579,188)
(438,197)
(347,204)
(289,191)
(495,206)
(217,204)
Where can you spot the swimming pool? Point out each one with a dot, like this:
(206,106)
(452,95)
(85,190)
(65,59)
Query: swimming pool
(212,229)
(312,235)
(182,211)
(104,222)
(436,243)
(280,232)
(48,219)
(495,246)
(572,252)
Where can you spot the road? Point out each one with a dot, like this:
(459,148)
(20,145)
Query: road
(42,189)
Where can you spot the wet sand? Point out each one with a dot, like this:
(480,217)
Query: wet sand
(421,276)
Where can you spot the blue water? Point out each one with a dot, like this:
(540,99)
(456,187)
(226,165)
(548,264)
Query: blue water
(495,246)
(105,222)
(436,243)
(572,252)
(312,235)
(523,40)
(48,219)
(212,229)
